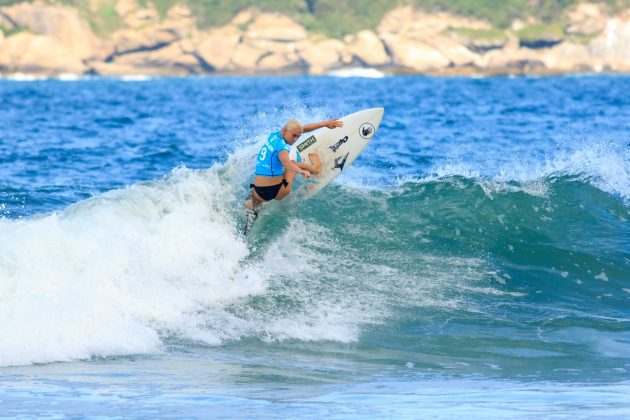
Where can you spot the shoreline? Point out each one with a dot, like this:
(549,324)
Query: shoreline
(451,73)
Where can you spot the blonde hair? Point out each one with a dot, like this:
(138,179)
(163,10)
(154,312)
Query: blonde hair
(293,124)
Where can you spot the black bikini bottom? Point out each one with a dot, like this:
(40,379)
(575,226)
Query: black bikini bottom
(270,192)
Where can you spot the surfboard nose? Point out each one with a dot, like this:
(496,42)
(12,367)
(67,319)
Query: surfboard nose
(377,116)
(372,116)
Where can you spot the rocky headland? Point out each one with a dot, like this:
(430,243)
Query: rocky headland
(49,39)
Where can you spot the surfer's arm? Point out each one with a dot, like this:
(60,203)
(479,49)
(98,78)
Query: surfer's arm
(289,165)
(328,124)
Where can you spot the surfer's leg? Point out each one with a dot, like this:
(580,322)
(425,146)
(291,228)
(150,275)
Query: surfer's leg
(285,190)
(254,201)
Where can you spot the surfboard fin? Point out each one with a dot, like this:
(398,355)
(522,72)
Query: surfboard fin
(250,217)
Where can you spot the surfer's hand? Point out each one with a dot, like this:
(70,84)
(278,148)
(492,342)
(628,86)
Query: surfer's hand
(306,174)
(333,123)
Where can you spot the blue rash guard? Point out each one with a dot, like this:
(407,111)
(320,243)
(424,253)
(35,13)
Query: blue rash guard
(268,162)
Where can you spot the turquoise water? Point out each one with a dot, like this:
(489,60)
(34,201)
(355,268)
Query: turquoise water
(475,260)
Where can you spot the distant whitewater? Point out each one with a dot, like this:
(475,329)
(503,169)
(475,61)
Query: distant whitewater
(358,72)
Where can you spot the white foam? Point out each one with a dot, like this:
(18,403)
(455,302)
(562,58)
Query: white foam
(108,275)
(605,165)
(362,178)
(68,77)
(27,77)
(135,78)
(370,73)
(295,269)
(23,77)
(602,276)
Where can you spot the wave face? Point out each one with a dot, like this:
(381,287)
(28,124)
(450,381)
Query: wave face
(463,240)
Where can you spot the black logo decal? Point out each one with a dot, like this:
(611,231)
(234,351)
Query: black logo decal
(306,143)
(337,145)
(341,164)
(366,130)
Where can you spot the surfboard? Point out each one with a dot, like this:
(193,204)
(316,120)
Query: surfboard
(337,148)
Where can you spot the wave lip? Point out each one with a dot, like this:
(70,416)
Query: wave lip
(604,165)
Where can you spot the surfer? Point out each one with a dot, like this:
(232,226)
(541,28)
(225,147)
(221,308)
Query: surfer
(275,171)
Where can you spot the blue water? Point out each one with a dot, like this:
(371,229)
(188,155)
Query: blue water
(474,261)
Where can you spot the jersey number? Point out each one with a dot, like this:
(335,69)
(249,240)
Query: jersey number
(263,153)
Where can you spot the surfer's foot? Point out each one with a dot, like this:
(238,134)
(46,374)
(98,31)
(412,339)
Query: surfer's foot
(315,163)
(252,215)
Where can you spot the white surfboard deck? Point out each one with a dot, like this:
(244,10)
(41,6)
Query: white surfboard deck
(337,148)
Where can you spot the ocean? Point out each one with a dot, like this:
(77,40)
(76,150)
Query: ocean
(474,261)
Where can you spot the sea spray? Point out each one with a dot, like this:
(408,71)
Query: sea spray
(108,275)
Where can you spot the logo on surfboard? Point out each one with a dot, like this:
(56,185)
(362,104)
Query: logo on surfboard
(306,143)
(340,162)
(366,131)
(337,145)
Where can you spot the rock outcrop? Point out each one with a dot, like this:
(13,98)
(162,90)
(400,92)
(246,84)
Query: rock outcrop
(38,54)
(586,19)
(569,57)
(612,48)
(62,23)
(173,59)
(51,39)
(275,27)
(322,55)
(216,47)
(368,49)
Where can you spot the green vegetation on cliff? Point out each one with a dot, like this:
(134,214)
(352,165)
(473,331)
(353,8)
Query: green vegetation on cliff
(484,34)
(340,17)
(10,31)
(337,18)
(104,19)
(532,32)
